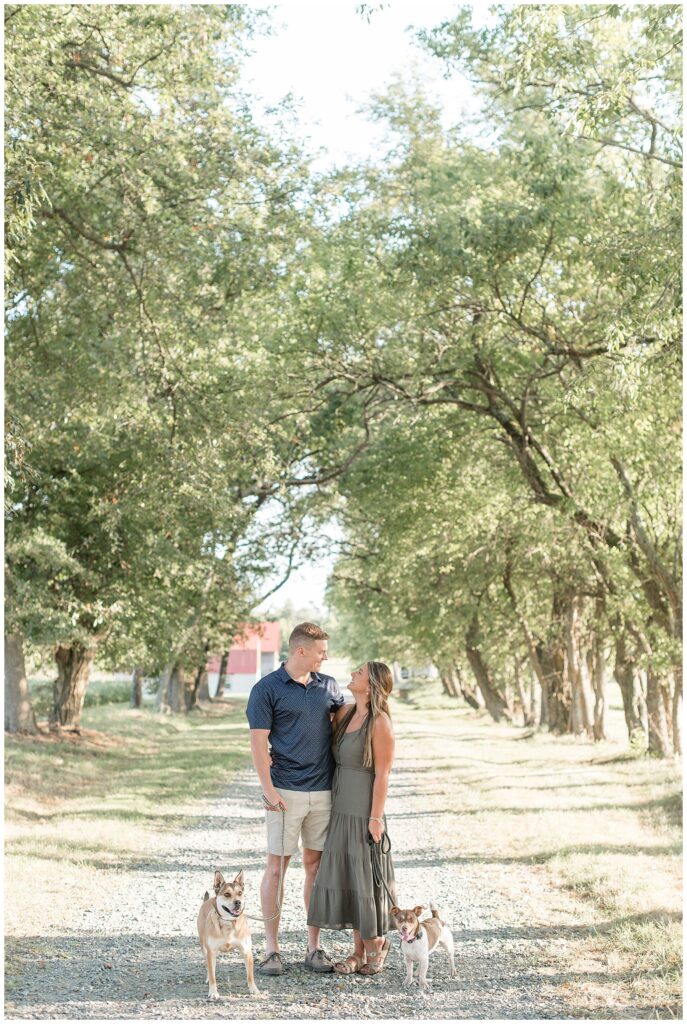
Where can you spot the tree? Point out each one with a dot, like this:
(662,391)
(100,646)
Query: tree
(154,223)
(477,286)
(605,73)
(19,716)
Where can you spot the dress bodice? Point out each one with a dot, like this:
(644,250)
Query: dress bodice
(349,752)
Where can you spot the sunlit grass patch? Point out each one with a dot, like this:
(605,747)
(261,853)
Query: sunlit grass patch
(127,763)
(79,811)
(131,770)
(647,956)
(653,946)
(603,823)
(622,883)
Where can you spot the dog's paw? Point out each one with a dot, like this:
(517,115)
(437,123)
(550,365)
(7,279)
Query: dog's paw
(213,994)
(408,982)
(256,993)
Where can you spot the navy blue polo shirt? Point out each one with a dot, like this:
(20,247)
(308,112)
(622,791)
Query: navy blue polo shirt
(300,728)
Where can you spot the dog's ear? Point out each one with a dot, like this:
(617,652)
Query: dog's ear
(417,911)
(219,881)
(239,878)
(394,911)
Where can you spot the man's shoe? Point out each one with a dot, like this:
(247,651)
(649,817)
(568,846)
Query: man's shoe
(271,965)
(318,961)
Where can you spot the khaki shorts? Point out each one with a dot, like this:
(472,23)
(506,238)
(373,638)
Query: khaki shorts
(307,816)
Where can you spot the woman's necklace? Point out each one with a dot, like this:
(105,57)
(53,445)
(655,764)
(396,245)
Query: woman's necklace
(358,717)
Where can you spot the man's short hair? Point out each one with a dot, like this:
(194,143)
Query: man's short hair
(304,634)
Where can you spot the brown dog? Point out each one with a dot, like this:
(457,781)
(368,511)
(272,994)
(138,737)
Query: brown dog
(420,938)
(222,927)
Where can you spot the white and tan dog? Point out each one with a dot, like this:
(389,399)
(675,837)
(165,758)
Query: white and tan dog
(222,927)
(420,938)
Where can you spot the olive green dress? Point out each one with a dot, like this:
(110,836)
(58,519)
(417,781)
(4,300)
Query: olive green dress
(344,895)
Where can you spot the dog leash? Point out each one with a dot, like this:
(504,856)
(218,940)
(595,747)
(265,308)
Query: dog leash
(280,893)
(376,851)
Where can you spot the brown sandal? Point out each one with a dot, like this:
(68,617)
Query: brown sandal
(378,962)
(351,965)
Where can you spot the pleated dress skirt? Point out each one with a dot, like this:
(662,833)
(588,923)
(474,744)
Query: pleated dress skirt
(344,895)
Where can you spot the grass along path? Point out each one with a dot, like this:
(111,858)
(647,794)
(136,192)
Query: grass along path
(557,861)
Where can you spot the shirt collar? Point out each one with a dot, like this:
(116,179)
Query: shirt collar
(286,678)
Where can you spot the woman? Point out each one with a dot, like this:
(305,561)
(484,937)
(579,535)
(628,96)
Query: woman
(344,894)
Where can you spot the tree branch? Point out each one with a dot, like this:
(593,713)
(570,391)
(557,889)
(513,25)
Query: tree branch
(87,233)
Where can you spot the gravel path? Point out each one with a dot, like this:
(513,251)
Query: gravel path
(135,954)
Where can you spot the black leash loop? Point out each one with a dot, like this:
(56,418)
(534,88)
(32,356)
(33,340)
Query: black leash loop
(383,847)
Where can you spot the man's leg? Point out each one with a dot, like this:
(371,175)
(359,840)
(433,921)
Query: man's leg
(268,900)
(311,863)
(282,835)
(314,834)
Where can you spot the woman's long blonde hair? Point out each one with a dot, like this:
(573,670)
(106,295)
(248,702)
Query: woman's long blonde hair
(381,684)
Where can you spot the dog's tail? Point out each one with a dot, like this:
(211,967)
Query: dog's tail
(435,912)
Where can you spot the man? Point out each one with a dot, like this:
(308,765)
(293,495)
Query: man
(291,709)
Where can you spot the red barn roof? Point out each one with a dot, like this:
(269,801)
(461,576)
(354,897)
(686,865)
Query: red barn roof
(241,654)
(264,633)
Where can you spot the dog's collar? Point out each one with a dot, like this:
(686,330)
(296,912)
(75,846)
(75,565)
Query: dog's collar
(418,935)
(223,920)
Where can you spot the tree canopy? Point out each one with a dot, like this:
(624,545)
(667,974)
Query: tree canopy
(467,351)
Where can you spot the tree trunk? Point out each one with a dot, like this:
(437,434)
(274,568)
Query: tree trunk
(136,700)
(596,668)
(467,690)
(203,691)
(183,639)
(660,721)
(536,702)
(530,642)
(543,688)
(445,685)
(175,686)
(677,708)
(633,698)
(222,674)
(525,701)
(163,689)
(447,682)
(554,662)
(658,581)
(581,703)
(188,692)
(556,696)
(496,703)
(19,716)
(194,692)
(74,663)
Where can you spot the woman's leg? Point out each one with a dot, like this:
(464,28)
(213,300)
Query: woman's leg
(371,945)
(363,946)
(358,947)
(376,951)
(346,966)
